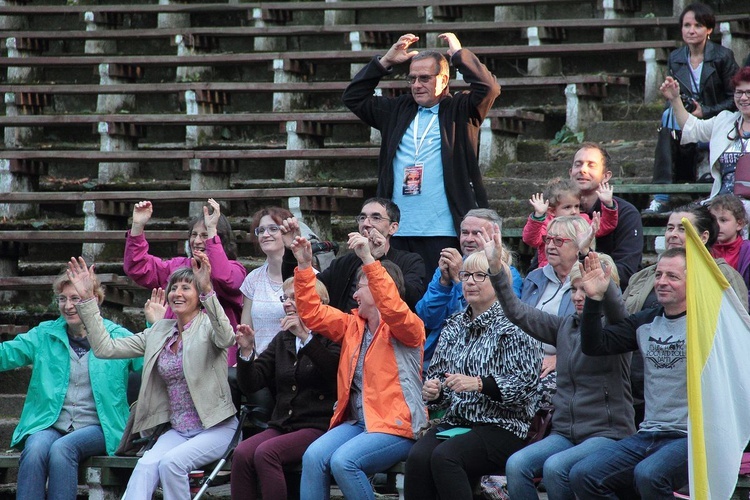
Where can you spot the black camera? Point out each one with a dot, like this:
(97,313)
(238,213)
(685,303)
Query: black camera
(688,102)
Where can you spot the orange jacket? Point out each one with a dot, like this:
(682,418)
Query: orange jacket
(392,380)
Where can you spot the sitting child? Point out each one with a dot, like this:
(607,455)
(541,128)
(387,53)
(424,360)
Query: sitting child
(730,245)
(563,197)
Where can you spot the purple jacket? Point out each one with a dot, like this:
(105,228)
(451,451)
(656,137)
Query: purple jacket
(743,265)
(153,272)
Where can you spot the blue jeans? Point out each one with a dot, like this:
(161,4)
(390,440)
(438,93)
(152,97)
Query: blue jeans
(656,463)
(349,453)
(551,458)
(54,454)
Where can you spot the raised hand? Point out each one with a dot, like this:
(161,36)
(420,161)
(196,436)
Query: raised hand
(81,277)
(670,89)
(155,307)
(302,251)
(142,212)
(245,338)
(493,248)
(594,276)
(605,193)
(431,389)
(289,228)
(211,220)
(360,243)
(540,205)
(377,242)
(450,263)
(586,238)
(398,54)
(453,44)
(202,271)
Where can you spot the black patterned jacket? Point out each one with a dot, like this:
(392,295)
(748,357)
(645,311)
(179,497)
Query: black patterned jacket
(508,360)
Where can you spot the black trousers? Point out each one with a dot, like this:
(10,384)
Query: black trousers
(674,162)
(449,469)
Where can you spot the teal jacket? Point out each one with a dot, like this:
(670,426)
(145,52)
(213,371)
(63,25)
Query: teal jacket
(47,348)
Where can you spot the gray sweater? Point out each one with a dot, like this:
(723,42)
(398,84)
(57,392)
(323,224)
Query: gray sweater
(593,393)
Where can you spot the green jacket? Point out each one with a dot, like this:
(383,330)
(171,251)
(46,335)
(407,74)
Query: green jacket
(46,347)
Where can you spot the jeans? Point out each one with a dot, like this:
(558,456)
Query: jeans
(656,463)
(447,469)
(551,458)
(261,459)
(349,453)
(54,454)
(172,458)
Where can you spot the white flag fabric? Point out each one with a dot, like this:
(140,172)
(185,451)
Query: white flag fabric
(718,356)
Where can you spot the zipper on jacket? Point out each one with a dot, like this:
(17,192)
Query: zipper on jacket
(606,405)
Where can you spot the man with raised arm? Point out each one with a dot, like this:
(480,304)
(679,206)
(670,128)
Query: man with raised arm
(428,156)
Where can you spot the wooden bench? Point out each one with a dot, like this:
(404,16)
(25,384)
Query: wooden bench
(118,289)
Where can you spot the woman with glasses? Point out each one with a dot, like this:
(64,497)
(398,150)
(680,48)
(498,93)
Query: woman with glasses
(261,309)
(76,405)
(727,133)
(300,367)
(209,233)
(548,288)
(703,71)
(484,375)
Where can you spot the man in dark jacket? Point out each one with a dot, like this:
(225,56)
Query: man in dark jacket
(428,157)
(591,166)
(378,220)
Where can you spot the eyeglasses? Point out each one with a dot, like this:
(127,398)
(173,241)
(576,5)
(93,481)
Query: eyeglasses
(739,93)
(478,277)
(62,299)
(374,218)
(558,241)
(412,79)
(271,229)
(286,297)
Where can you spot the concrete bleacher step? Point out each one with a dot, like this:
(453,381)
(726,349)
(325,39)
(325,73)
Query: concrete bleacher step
(11,405)
(631,130)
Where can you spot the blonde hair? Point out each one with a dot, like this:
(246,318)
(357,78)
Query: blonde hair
(62,281)
(319,287)
(570,226)
(575,273)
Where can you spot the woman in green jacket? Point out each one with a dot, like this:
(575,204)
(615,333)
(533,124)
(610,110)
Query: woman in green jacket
(76,405)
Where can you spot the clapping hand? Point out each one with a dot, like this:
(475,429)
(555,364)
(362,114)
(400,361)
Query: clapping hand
(202,272)
(450,264)
(81,277)
(493,249)
(431,389)
(155,307)
(376,241)
(540,205)
(461,383)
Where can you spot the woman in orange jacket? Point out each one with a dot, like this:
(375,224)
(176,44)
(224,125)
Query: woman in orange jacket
(380,408)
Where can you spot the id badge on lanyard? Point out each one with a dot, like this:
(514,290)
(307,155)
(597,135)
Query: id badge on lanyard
(414,174)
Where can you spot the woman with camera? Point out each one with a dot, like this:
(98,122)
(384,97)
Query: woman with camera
(703,70)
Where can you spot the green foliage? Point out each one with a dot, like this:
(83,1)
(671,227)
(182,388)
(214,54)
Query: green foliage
(567,136)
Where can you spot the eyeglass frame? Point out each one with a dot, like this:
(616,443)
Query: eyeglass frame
(270,228)
(62,299)
(739,93)
(412,79)
(465,275)
(284,297)
(555,239)
(374,218)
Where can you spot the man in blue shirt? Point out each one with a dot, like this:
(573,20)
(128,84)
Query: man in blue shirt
(428,156)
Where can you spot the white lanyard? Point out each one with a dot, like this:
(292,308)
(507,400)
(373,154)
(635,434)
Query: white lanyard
(418,142)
